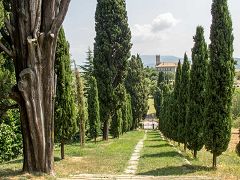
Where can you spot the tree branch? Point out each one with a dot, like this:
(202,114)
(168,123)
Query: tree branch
(7,107)
(6,50)
(57,22)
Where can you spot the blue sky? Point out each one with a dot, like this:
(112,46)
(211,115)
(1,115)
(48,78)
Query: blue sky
(163,27)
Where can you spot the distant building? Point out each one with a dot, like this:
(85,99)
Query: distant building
(165,67)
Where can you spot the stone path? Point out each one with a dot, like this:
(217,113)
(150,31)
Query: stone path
(133,162)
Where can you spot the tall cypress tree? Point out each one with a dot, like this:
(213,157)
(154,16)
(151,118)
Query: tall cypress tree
(136,87)
(81,110)
(159,94)
(116,125)
(219,87)
(129,112)
(88,69)
(125,117)
(176,101)
(93,110)
(183,100)
(198,75)
(111,52)
(65,116)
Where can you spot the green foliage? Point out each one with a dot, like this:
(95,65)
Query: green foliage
(137,87)
(183,102)
(82,116)
(151,78)
(198,76)
(93,110)
(65,113)
(88,69)
(116,125)
(111,52)
(10,136)
(176,103)
(158,95)
(219,87)
(125,120)
(236,104)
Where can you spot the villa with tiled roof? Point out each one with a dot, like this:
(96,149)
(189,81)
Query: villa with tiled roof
(165,67)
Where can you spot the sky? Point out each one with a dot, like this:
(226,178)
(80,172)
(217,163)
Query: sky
(164,27)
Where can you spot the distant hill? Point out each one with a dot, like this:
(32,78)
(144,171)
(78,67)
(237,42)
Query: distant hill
(150,60)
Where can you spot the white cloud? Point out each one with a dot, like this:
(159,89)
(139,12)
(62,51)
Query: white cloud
(154,30)
(163,22)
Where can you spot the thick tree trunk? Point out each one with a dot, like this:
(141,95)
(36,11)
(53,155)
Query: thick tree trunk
(105,130)
(36,85)
(195,154)
(214,164)
(33,26)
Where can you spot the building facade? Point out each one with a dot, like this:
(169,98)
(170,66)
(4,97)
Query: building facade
(166,67)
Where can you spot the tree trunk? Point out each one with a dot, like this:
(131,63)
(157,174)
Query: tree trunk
(33,27)
(105,130)
(82,133)
(37,89)
(214,165)
(62,149)
(185,147)
(95,140)
(194,154)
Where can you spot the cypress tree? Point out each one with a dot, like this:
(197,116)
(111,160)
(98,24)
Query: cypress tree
(93,110)
(88,69)
(198,75)
(116,125)
(125,112)
(183,100)
(159,94)
(129,112)
(65,116)
(111,52)
(219,87)
(136,87)
(81,110)
(176,103)
(160,79)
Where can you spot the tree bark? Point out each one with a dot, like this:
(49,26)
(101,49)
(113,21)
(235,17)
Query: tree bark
(32,28)
(214,165)
(105,130)
(185,147)
(62,149)
(195,154)
(82,133)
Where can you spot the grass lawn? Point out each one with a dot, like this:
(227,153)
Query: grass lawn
(104,157)
(159,158)
(151,109)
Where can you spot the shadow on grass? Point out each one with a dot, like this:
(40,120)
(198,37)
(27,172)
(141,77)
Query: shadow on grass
(56,159)
(162,154)
(159,146)
(176,170)
(10,172)
(14,161)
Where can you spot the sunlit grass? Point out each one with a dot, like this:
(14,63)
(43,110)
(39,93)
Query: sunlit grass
(104,157)
(159,158)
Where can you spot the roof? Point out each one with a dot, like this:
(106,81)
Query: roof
(168,64)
